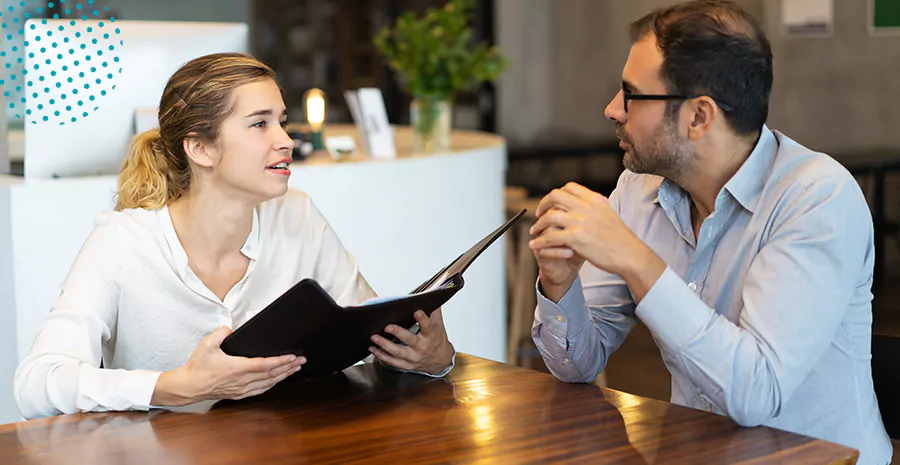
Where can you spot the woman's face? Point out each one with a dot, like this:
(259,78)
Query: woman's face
(253,153)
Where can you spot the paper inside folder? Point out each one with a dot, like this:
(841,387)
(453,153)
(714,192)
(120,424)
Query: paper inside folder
(444,284)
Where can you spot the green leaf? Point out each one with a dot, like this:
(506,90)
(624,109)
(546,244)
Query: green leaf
(434,55)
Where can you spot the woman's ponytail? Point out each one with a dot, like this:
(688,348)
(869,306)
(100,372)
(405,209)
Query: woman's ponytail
(143,178)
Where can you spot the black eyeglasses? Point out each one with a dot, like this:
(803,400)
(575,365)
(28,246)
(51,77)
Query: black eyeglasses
(629,96)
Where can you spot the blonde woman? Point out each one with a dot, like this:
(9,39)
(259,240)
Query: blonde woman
(205,234)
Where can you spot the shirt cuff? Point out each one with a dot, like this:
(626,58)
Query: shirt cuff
(570,312)
(127,389)
(672,311)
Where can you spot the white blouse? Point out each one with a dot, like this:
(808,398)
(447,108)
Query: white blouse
(131,298)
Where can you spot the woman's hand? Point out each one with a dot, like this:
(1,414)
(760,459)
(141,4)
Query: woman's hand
(429,350)
(210,374)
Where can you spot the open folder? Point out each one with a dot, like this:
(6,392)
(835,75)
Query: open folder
(306,321)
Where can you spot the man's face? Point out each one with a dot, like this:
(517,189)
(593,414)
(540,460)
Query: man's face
(651,140)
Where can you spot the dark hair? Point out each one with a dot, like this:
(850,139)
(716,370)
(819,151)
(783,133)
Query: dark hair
(713,47)
(194,103)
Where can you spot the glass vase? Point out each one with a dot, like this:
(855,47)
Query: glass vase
(430,120)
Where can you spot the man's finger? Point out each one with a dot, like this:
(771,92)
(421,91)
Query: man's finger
(554,218)
(556,239)
(581,192)
(559,199)
(555,253)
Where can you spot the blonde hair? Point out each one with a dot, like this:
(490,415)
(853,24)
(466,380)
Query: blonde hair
(194,103)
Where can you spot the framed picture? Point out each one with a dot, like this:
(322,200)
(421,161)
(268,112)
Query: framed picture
(884,17)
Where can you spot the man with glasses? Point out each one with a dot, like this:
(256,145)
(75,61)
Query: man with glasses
(748,256)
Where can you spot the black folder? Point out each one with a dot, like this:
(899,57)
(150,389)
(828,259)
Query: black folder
(306,321)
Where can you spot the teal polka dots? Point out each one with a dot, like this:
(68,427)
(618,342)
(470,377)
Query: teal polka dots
(49,53)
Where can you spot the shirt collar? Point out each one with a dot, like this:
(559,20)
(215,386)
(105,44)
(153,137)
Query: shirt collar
(250,249)
(746,184)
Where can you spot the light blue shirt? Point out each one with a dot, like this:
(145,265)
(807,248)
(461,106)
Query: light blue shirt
(765,317)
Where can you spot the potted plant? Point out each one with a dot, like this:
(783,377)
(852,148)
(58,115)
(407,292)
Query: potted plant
(435,58)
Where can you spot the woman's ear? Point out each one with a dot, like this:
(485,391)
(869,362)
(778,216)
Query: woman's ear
(198,152)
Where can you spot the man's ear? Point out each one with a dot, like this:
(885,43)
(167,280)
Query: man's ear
(703,113)
(198,152)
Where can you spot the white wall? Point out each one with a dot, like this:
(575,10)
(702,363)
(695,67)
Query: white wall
(7,313)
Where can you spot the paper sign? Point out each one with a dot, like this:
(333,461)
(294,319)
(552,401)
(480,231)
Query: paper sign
(807,18)
(378,131)
(353,104)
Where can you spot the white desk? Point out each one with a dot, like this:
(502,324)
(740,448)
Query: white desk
(403,220)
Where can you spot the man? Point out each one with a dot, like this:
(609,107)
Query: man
(748,256)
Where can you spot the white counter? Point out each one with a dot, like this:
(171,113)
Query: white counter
(402,219)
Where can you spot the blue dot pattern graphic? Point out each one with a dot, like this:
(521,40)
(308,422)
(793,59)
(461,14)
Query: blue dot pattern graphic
(62,60)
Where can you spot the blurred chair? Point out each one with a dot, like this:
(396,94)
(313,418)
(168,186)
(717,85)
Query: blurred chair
(521,271)
(886,376)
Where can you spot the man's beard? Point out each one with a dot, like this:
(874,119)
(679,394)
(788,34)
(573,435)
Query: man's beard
(664,154)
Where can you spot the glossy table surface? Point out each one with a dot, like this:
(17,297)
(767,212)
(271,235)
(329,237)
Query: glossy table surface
(483,412)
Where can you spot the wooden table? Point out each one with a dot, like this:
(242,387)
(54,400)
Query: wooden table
(484,412)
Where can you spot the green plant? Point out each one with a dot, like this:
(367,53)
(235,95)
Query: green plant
(434,55)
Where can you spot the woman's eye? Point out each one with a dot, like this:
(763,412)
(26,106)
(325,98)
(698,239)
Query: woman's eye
(283,123)
(259,124)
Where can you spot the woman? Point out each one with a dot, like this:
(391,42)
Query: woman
(205,234)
